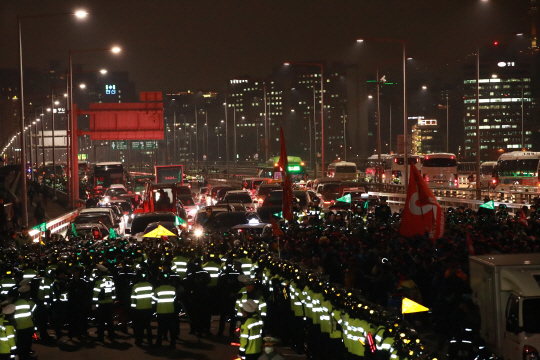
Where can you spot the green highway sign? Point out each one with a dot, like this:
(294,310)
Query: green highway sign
(143,145)
(119,145)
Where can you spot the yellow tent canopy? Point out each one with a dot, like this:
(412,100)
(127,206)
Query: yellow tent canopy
(158,232)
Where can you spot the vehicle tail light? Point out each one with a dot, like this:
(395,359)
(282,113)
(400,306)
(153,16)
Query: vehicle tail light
(494,181)
(530,353)
(384,176)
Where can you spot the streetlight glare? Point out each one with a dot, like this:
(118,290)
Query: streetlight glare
(81,14)
(82,86)
(103,71)
(116,49)
(360,40)
(48,109)
(56,102)
(424,87)
(286,64)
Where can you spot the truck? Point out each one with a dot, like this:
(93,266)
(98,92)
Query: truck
(169,174)
(506,287)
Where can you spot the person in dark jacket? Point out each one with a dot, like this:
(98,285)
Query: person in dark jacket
(196,287)
(39,213)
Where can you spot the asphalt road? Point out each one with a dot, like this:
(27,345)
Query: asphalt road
(189,347)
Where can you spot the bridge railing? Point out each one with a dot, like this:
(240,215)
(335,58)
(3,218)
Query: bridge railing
(55,225)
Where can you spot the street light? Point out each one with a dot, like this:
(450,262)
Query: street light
(73,157)
(103,71)
(24,203)
(322,109)
(226,137)
(82,86)
(405,130)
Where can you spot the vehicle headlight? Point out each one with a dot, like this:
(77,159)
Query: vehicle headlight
(198,233)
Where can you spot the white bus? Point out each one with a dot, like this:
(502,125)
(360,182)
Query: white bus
(342,170)
(488,178)
(518,170)
(371,167)
(440,170)
(394,171)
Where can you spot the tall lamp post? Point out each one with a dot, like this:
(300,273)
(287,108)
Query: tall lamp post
(24,203)
(322,109)
(74,151)
(405,127)
(227,137)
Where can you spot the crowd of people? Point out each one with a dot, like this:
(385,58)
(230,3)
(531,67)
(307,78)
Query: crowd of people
(329,286)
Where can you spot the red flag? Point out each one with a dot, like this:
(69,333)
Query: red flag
(469,244)
(523,218)
(422,212)
(276,230)
(287,184)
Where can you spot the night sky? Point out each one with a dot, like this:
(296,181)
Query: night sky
(178,45)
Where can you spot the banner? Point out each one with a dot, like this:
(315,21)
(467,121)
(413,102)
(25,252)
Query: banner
(422,213)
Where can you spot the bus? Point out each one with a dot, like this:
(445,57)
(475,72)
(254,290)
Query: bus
(488,174)
(371,165)
(271,169)
(518,170)
(342,170)
(107,173)
(169,174)
(394,169)
(440,170)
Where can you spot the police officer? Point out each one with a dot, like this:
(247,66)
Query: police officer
(59,301)
(78,304)
(43,303)
(196,287)
(250,332)
(103,302)
(8,347)
(165,297)
(24,308)
(228,286)
(142,296)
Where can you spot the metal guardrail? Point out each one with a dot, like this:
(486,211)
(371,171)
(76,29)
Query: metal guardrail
(55,225)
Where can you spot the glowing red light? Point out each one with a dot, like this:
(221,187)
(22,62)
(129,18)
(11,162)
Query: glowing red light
(427,157)
(496,43)
(451,157)
(395,160)
(235,344)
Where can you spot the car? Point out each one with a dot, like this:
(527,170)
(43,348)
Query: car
(239,196)
(141,221)
(264,189)
(86,230)
(125,204)
(94,218)
(251,184)
(189,205)
(102,210)
(118,187)
(254,229)
(215,189)
(328,192)
(222,192)
(224,221)
(114,193)
(203,195)
(183,190)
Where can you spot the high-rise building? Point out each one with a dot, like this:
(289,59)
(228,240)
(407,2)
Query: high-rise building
(506,99)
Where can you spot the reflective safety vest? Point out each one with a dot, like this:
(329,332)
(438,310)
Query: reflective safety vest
(358,337)
(336,320)
(388,344)
(378,337)
(50,268)
(325,317)
(213,269)
(180,265)
(104,291)
(142,296)
(251,335)
(45,290)
(246,265)
(165,296)
(7,284)
(261,304)
(296,300)
(29,273)
(316,308)
(308,294)
(62,296)
(7,336)
(23,314)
